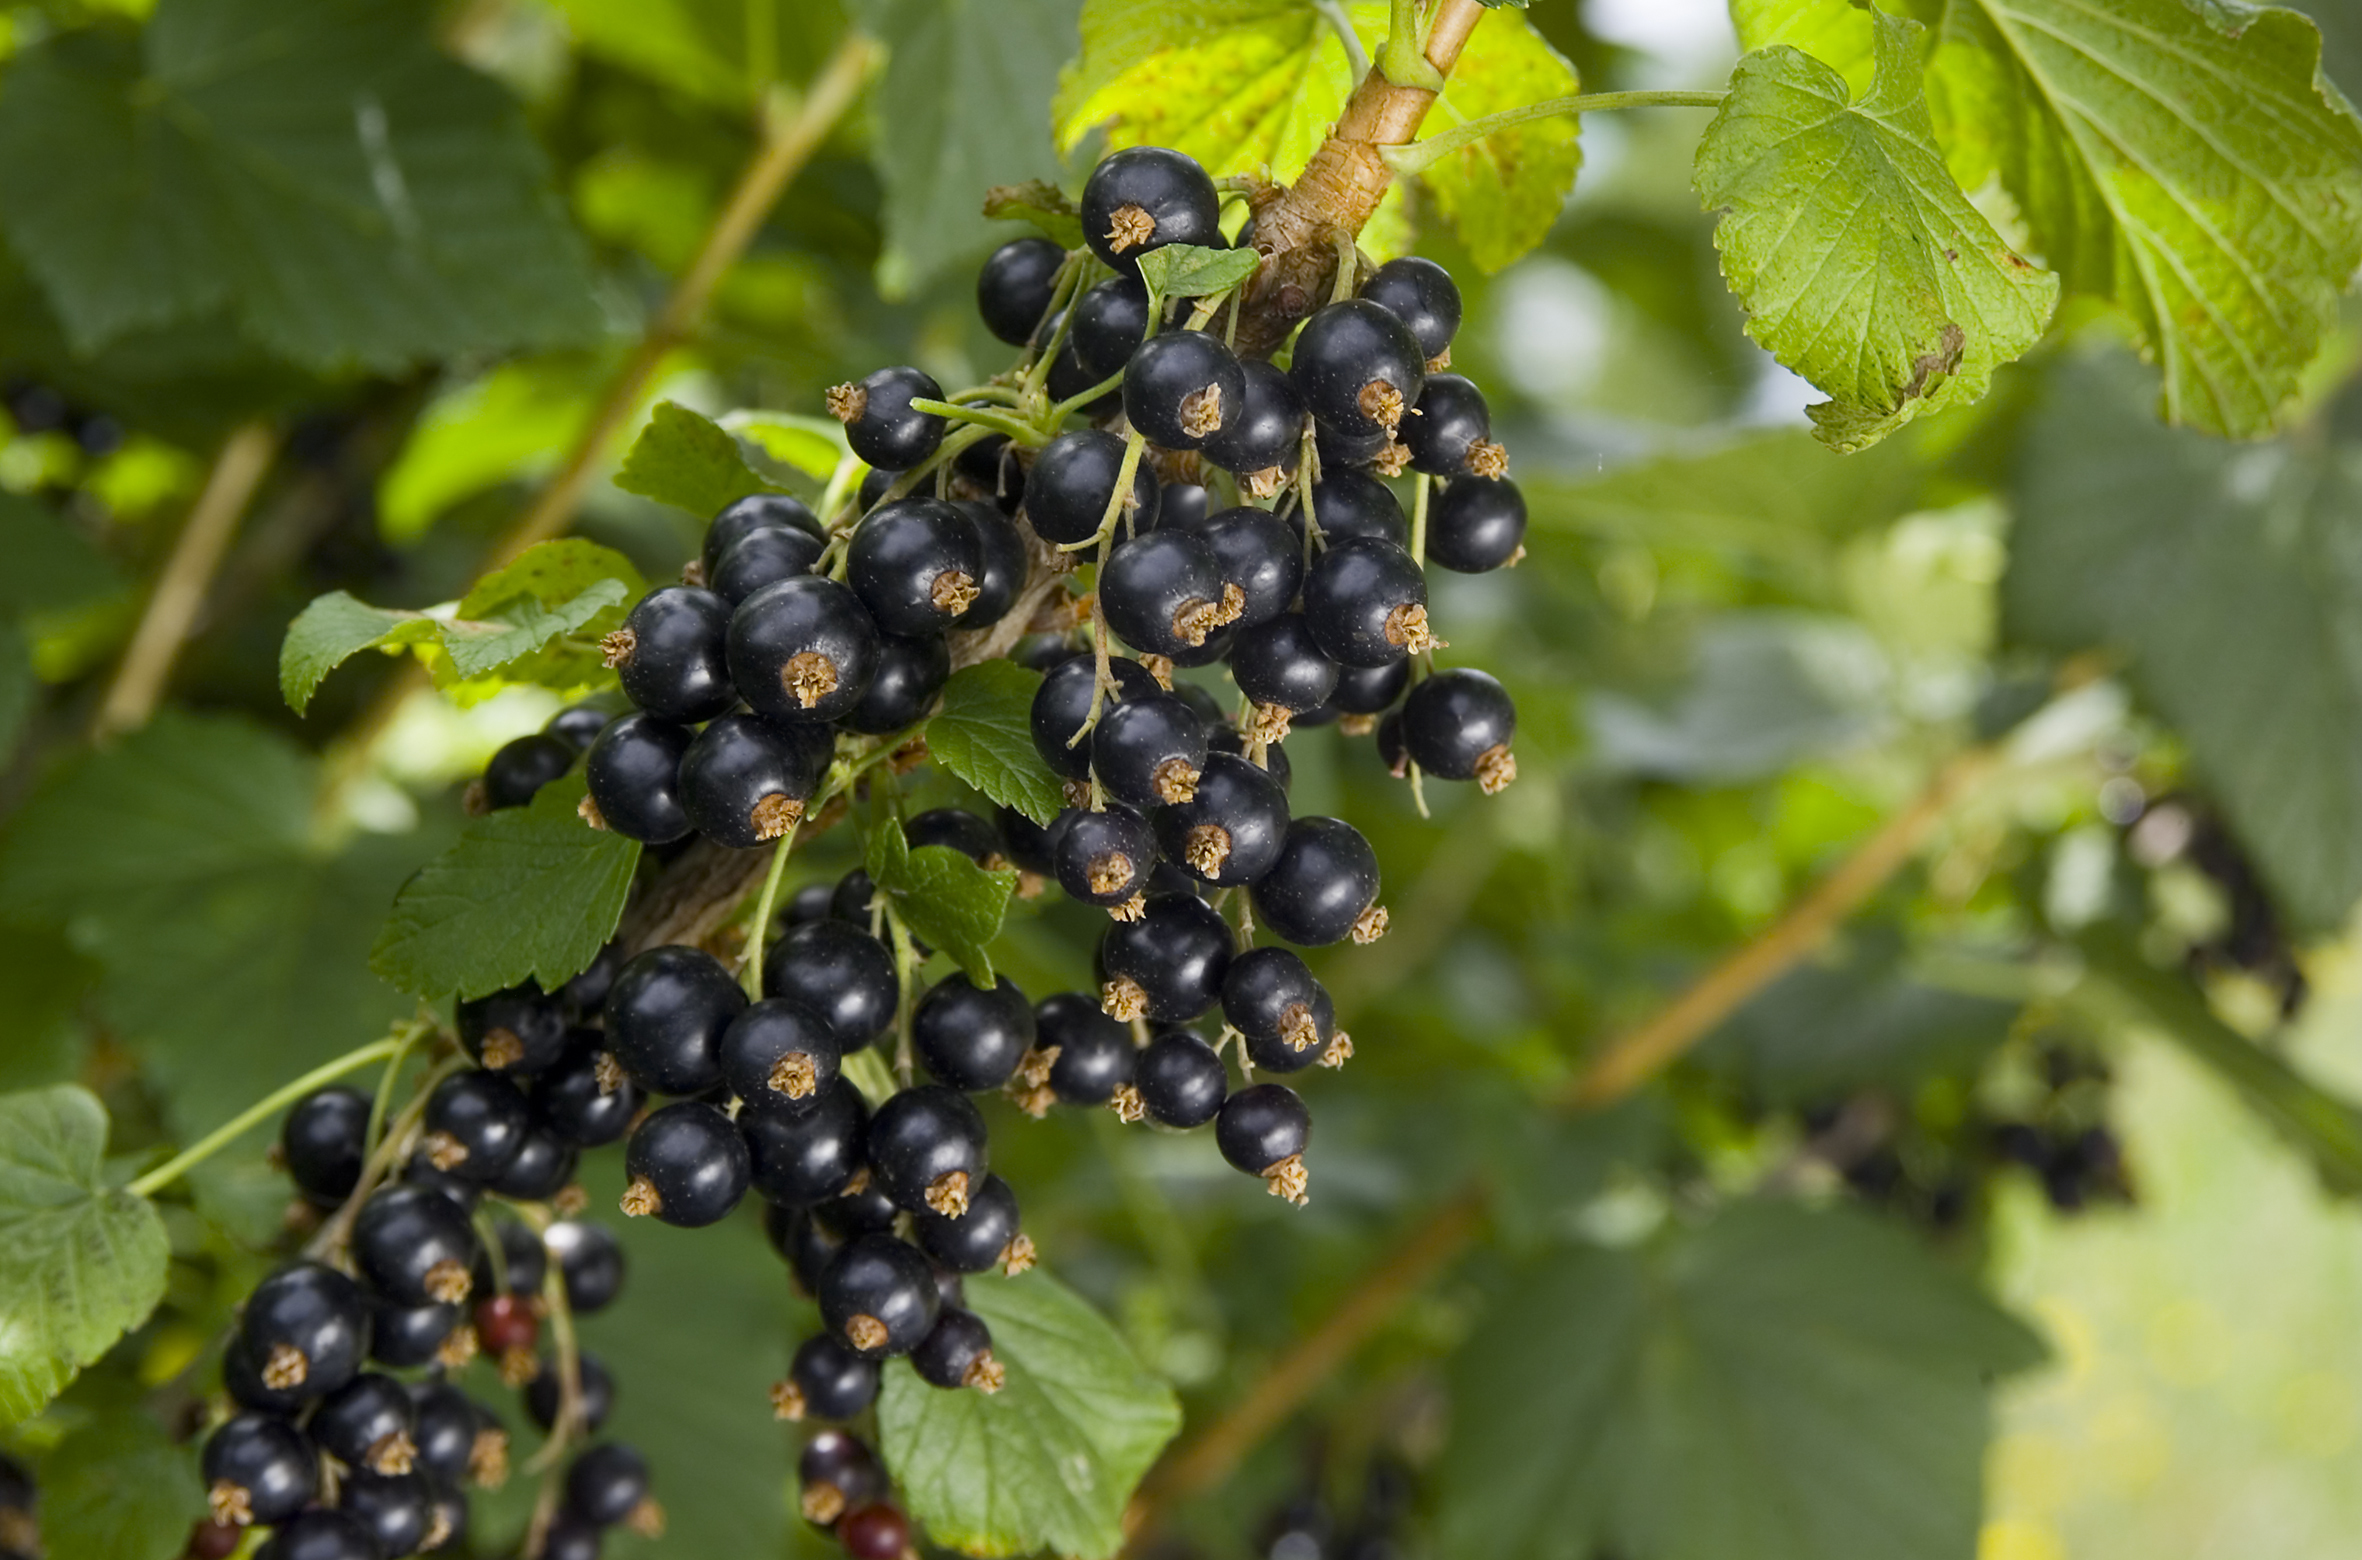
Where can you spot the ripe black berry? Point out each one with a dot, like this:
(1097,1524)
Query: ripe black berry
(803,649)
(1255,553)
(1002,547)
(403,1336)
(1347,504)
(415,1245)
(803,1154)
(1110,323)
(304,1327)
(585,992)
(807,1247)
(779,1050)
(577,725)
(320,1534)
(971,1038)
(838,1473)
(855,899)
(1070,379)
(1450,432)
(518,1030)
(524,1261)
(1168,964)
(915,563)
(956,828)
(957,1353)
(1280,664)
(1265,444)
(590,1262)
(634,770)
(1183,387)
(1366,603)
(1063,702)
(926,1147)
(670,654)
(879,1295)
(688,1166)
(763,558)
(397,1511)
(1476,524)
(1148,750)
(1422,295)
(1014,288)
(756,512)
(1105,857)
(607,1483)
(1457,726)
(745,779)
(522,767)
(1143,198)
(259,1469)
(1345,451)
(1358,368)
(1072,480)
(840,972)
(1163,594)
(1323,885)
(324,1140)
(475,1122)
(544,1163)
(879,422)
(421,1172)
(587,1098)
(1370,690)
(1094,1051)
(665,1018)
(1183,502)
(572,1537)
(1031,846)
(826,1380)
(910,673)
(543,1392)
(1230,832)
(444,1424)
(983,1237)
(1271,998)
(366,1424)
(1262,1130)
(1179,1081)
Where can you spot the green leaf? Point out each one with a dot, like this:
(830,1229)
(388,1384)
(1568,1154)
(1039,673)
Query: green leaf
(1041,203)
(2177,160)
(1187,271)
(119,1487)
(512,424)
(528,893)
(1502,194)
(2229,580)
(808,447)
(689,462)
(1776,1383)
(1050,1460)
(1860,263)
(724,52)
(51,564)
(332,630)
(46,980)
(320,171)
(983,733)
(949,901)
(85,1263)
(1838,33)
(970,81)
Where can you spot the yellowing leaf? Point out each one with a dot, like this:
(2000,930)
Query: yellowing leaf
(1501,194)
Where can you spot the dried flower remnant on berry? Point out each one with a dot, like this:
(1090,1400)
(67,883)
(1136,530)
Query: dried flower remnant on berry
(808,677)
(1370,925)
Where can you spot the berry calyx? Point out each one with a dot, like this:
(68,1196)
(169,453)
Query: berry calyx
(1168,965)
(1143,198)
(1230,832)
(779,1049)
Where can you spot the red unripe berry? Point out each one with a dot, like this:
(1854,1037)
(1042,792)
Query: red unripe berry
(505,1322)
(875,1533)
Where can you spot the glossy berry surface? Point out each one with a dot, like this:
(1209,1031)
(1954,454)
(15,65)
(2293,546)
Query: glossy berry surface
(590,1262)
(1094,1051)
(320,1534)
(1162,593)
(259,1468)
(780,1051)
(398,1511)
(910,672)
(524,1261)
(1366,603)
(1421,294)
(880,423)
(1450,434)
(926,1146)
(744,780)
(577,725)
(1014,287)
(505,1323)
(1105,857)
(582,1101)
(1457,725)
(840,972)
(956,1353)
(1368,690)
(915,564)
(1279,663)
(366,1423)
(542,1394)
(304,1327)
(1168,965)
(1182,388)
(1269,996)
(803,649)
(831,1380)
(955,828)
(688,1165)
(801,1154)
(607,1483)
(1149,750)
(1343,452)
(971,1038)
(572,1537)
(1110,323)
(671,654)
(415,1245)
(879,1295)
(875,1533)
(324,1140)
(978,1239)
(518,1030)
(666,1015)
(521,767)
(838,1472)
(763,558)
(756,512)
(1180,1080)
(634,770)
(544,1164)
(1072,480)
(1063,702)
(1231,831)
(1476,524)
(444,1423)
(1358,368)
(1002,547)
(1255,553)
(1265,443)
(1325,878)
(403,1336)
(1347,504)
(475,1123)
(1261,1125)
(1143,198)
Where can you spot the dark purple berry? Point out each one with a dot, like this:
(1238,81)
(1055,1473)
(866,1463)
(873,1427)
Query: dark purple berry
(320,1534)
(1179,1080)
(1145,197)
(666,1015)
(1370,690)
(522,767)
(590,1263)
(1182,388)
(1231,831)
(804,1154)
(688,1166)
(956,828)
(587,1098)
(1255,553)
(1006,560)
(1110,323)
(1163,593)
(763,558)
(670,654)
(837,1473)
(926,1146)
(1148,750)
(1322,886)
(475,1123)
(1281,665)
(1450,432)
(803,649)
(1014,288)
(971,1038)
(1072,480)
(1271,998)
(756,512)
(1422,295)
(324,1140)
(1094,1051)
(1105,857)
(984,1236)
(367,1424)
(827,1380)
(578,725)
(415,1245)
(779,1051)
(1167,965)
(880,423)
(911,672)
(404,1336)
(1347,504)
(607,1483)
(1358,368)
(304,1328)
(1366,603)
(1475,524)
(1457,725)
(1063,702)
(879,1295)
(1265,445)
(634,770)
(543,1393)
(915,564)
(1262,1130)
(957,1353)
(840,972)
(444,1425)
(398,1511)
(545,1163)
(745,780)
(260,1469)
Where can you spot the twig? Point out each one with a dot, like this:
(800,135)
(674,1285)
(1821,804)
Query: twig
(180,590)
(254,1115)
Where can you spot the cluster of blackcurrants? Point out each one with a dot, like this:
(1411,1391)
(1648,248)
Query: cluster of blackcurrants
(350,1436)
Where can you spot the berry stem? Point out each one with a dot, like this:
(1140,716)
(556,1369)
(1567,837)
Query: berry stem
(1104,682)
(1017,428)
(906,966)
(1420,155)
(260,1111)
(1070,277)
(1062,410)
(758,930)
(1402,58)
(566,1423)
(1419,492)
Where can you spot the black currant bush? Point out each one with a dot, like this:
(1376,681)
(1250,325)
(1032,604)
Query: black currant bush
(1158,663)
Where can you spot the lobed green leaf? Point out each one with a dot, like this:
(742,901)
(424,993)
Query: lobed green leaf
(120,1487)
(982,733)
(1502,194)
(1041,203)
(950,902)
(1188,271)
(690,462)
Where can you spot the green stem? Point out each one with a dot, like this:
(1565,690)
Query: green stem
(253,1115)
(1357,58)
(759,929)
(410,1035)
(1402,58)
(1419,520)
(1066,408)
(1134,447)
(1420,154)
(906,966)
(1016,428)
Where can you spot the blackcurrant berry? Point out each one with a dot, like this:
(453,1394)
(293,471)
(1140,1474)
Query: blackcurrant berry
(320,1534)
(756,512)
(1457,725)
(745,780)
(1032,847)
(1002,548)
(872,491)
(1105,857)
(447,1518)
(366,1423)
(1072,480)
(572,1537)
(444,1424)
(806,1247)
(1148,750)
(1168,964)
(826,1380)
(403,1336)
(1347,504)
(878,1532)
(259,1469)
(1422,295)
(1094,1052)
(1279,664)
(957,828)
(803,649)
(957,1353)
(1266,443)
(926,1147)
(1476,524)
(688,1166)
(1182,388)
(1358,368)
(1063,702)
(807,904)
(545,1391)
(544,1164)
(1366,603)
(763,558)
(634,770)
(507,1326)
(242,1378)
(524,1261)
(840,972)
(971,1038)
(1271,998)
(324,1140)
(607,1483)
(1324,885)
(1178,1080)
(585,993)
(475,1122)
(578,725)
(879,422)
(415,1245)
(590,1263)
(1163,593)
(1370,690)
(1341,452)
(1450,432)
(1182,503)
(858,1210)
(666,1015)
(855,899)
(1231,831)
(779,1050)
(670,654)
(1069,379)
(1145,197)
(984,1237)
(837,1472)
(587,1098)
(915,564)
(304,1327)
(1014,288)
(991,466)
(879,1295)
(1255,553)
(802,1154)
(1110,323)
(910,673)
(1262,1130)
(397,1511)
(519,768)
(514,1031)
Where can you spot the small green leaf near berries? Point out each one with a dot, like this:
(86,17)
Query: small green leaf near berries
(983,734)
(690,462)
(1041,203)
(952,903)
(1188,271)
